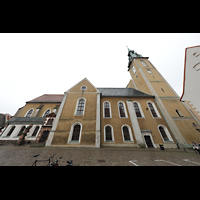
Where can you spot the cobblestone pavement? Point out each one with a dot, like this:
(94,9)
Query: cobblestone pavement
(22,156)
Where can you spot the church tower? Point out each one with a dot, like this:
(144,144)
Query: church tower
(146,78)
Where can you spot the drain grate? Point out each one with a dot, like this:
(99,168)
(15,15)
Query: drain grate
(101,161)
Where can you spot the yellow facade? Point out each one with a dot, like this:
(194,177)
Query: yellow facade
(28,106)
(148,123)
(152,82)
(68,116)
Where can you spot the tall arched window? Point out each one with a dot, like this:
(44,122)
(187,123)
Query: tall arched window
(165,133)
(108,134)
(80,107)
(11,131)
(126,133)
(35,131)
(107,111)
(76,133)
(153,110)
(137,110)
(29,113)
(21,131)
(122,111)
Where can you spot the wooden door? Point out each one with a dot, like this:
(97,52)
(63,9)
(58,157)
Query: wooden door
(148,141)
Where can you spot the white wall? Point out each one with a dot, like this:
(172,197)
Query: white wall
(192,77)
(18,127)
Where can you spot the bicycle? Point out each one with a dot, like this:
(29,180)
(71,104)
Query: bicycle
(55,163)
(51,163)
(49,160)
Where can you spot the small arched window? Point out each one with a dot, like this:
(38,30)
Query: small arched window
(35,131)
(11,131)
(47,112)
(80,107)
(29,113)
(21,131)
(143,63)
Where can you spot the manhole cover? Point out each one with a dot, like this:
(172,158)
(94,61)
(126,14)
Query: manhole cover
(101,161)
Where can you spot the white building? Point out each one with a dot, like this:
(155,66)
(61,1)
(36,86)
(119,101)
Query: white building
(191,80)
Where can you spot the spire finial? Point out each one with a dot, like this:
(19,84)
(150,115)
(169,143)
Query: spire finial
(128,48)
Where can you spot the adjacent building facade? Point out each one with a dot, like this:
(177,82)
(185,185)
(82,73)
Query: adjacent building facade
(144,114)
(191,79)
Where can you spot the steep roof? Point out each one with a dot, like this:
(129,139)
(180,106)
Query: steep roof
(47,98)
(105,92)
(122,92)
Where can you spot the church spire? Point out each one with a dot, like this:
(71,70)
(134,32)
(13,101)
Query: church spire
(132,54)
(128,48)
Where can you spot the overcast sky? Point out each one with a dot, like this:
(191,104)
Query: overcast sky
(33,64)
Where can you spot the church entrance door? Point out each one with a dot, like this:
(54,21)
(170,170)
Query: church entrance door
(148,141)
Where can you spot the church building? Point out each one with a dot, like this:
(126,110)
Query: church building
(143,114)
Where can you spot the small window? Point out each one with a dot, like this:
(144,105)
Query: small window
(179,113)
(149,71)
(47,112)
(143,63)
(21,131)
(11,131)
(133,70)
(76,133)
(107,109)
(83,88)
(108,134)
(35,131)
(29,113)
(121,108)
(81,106)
